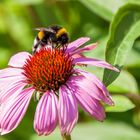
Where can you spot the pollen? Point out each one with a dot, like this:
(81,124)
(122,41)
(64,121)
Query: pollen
(48,69)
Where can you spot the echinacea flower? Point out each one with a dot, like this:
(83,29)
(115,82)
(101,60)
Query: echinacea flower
(50,75)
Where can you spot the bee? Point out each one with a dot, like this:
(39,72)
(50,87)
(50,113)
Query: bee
(55,35)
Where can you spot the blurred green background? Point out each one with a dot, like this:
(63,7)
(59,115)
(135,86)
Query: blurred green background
(90,18)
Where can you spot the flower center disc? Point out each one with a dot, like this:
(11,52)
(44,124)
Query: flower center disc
(48,69)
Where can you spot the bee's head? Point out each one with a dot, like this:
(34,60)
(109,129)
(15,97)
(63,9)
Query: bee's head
(61,35)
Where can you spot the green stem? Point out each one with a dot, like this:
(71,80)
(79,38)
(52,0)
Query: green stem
(66,137)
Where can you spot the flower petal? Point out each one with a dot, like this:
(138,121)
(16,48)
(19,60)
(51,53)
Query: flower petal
(11,90)
(77,55)
(8,83)
(94,62)
(89,84)
(10,72)
(84,49)
(68,111)
(46,116)
(89,104)
(106,97)
(77,43)
(14,111)
(18,60)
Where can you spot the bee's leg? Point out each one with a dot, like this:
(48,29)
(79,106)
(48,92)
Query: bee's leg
(42,45)
(38,46)
(58,45)
(53,45)
(65,47)
(50,42)
(35,48)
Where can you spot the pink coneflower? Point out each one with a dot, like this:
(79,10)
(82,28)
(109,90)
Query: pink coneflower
(50,75)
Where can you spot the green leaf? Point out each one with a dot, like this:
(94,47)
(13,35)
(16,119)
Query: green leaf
(135,55)
(124,30)
(123,83)
(122,104)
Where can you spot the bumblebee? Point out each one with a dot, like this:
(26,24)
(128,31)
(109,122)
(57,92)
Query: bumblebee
(55,35)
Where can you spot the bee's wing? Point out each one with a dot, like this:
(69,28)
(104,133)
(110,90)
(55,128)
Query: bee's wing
(45,29)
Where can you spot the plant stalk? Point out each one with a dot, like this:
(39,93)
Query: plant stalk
(66,137)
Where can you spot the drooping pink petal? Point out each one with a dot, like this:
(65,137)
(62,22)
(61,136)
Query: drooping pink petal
(90,105)
(18,60)
(15,110)
(10,72)
(91,77)
(68,111)
(90,86)
(46,116)
(94,62)
(84,49)
(11,90)
(87,102)
(9,77)
(77,43)
(4,82)
(8,82)
(2,106)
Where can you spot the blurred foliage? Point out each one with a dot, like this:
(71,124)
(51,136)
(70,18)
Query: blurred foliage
(98,131)
(115,25)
